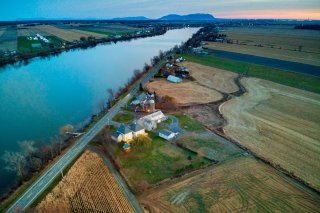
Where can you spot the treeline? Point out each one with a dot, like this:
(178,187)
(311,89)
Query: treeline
(84,43)
(33,156)
(308,27)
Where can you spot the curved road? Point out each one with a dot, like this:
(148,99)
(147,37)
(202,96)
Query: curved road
(41,183)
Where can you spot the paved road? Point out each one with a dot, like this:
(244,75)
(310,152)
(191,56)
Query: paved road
(276,63)
(41,183)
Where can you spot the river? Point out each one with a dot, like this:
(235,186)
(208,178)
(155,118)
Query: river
(38,98)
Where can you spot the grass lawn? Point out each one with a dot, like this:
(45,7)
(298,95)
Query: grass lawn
(159,161)
(212,148)
(24,45)
(293,79)
(123,118)
(188,123)
(109,34)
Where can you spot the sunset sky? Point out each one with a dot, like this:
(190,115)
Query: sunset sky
(283,9)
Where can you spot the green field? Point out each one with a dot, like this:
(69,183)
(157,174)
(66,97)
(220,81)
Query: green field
(293,79)
(110,34)
(24,45)
(206,145)
(157,162)
(188,123)
(123,118)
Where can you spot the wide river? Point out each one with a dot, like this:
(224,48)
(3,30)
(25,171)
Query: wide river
(38,98)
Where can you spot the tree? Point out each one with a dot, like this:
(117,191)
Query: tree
(15,162)
(142,143)
(66,129)
(111,96)
(101,105)
(300,48)
(28,147)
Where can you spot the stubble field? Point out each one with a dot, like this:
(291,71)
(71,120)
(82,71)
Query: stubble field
(87,187)
(279,42)
(68,35)
(240,185)
(280,124)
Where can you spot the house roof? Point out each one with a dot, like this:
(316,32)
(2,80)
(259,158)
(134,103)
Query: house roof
(154,116)
(174,79)
(115,134)
(123,129)
(136,127)
(166,132)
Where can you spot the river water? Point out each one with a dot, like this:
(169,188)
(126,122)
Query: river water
(38,98)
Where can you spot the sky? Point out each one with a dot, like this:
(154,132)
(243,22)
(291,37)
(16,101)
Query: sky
(82,9)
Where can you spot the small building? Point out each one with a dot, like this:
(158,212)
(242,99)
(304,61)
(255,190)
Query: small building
(126,147)
(166,134)
(36,45)
(174,79)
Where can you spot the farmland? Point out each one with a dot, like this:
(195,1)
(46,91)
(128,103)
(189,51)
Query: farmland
(155,163)
(88,186)
(8,38)
(240,185)
(186,93)
(280,124)
(292,79)
(68,35)
(280,42)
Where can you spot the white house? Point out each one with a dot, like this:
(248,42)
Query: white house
(174,79)
(123,133)
(149,122)
(166,134)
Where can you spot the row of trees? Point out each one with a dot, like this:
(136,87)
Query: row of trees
(34,156)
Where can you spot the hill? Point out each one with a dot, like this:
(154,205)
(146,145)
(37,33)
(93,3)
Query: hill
(190,17)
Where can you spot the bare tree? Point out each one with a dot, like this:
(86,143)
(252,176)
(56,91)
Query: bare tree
(65,130)
(101,105)
(28,147)
(16,162)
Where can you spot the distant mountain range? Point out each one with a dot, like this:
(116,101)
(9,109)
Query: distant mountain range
(172,17)
(134,18)
(190,17)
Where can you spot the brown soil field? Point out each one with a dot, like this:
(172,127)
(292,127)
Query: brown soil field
(213,78)
(185,93)
(67,35)
(87,187)
(239,185)
(280,124)
(280,42)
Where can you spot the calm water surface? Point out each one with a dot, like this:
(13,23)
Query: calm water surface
(38,98)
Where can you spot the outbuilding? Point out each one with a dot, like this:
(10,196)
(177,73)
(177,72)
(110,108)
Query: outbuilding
(174,79)
(166,134)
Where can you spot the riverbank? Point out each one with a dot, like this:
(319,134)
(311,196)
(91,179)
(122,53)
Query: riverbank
(38,187)
(79,45)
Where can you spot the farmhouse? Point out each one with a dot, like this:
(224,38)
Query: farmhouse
(166,134)
(174,79)
(137,130)
(123,133)
(150,121)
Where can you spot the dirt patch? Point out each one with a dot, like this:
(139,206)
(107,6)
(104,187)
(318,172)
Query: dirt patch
(186,93)
(280,124)
(68,35)
(88,187)
(240,185)
(213,78)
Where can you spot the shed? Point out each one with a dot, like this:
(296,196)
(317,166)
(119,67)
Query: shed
(174,79)
(166,134)
(36,45)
